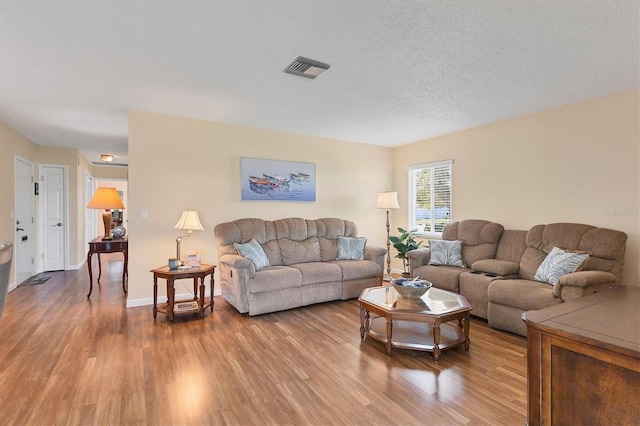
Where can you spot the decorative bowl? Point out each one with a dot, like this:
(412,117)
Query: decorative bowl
(409,289)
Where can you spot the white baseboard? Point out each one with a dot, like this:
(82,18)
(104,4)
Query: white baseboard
(162,299)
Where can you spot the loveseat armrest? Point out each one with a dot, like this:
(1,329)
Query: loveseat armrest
(236,261)
(419,257)
(582,283)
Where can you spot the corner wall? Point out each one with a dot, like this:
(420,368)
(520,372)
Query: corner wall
(579,163)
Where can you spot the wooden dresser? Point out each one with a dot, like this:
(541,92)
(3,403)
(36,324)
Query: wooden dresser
(584,360)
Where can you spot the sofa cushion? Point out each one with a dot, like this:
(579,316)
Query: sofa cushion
(299,251)
(318,272)
(356,269)
(446,253)
(350,248)
(558,263)
(275,278)
(522,294)
(254,252)
(328,231)
(496,267)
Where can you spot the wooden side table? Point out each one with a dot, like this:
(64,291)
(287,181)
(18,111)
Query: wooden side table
(198,304)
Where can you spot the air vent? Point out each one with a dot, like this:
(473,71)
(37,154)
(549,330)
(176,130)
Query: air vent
(305,67)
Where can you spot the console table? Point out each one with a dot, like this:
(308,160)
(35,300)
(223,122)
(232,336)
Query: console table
(116,245)
(584,360)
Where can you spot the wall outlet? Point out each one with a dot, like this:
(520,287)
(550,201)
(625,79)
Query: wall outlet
(144,214)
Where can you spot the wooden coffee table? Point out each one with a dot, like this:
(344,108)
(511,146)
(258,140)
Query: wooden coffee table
(437,321)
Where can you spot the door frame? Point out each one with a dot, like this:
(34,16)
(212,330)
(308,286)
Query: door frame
(34,249)
(65,206)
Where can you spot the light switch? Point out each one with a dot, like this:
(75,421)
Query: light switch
(144,214)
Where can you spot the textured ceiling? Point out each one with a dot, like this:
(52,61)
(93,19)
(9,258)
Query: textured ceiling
(401,70)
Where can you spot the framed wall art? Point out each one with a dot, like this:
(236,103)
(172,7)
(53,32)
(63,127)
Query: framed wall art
(276,180)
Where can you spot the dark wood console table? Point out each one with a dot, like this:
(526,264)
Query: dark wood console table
(117,245)
(584,360)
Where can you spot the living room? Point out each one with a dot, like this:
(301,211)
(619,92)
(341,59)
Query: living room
(577,161)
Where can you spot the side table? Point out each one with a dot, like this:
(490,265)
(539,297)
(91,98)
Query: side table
(199,303)
(97,246)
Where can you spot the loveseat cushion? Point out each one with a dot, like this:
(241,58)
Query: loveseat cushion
(442,277)
(522,294)
(275,278)
(496,267)
(480,238)
(318,272)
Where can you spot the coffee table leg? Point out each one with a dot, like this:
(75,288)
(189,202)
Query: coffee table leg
(436,341)
(389,335)
(363,317)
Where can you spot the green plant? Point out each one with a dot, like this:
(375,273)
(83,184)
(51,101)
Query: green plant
(404,244)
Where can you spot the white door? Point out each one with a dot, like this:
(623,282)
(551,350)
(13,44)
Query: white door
(24,220)
(52,197)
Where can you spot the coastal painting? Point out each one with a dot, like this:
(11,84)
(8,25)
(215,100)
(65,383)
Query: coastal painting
(276,180)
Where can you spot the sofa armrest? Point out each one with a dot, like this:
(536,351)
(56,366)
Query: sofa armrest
(578,284)
(375,254)
(235,273)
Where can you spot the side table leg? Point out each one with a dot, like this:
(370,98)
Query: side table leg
(201,303)
(155,296)
(99,268)
(171,295)
(211,286)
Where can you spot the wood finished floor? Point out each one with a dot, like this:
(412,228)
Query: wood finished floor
(68,360)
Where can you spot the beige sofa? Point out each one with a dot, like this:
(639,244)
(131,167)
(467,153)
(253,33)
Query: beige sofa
(500,265)
(303,265)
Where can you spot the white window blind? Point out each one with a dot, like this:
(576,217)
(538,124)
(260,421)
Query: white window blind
(430,197)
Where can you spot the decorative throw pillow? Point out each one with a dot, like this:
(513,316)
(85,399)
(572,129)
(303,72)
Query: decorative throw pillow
(558,263)
(350,248)
(444,252)
(254,252)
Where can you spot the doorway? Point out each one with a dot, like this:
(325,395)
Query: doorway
(24,251)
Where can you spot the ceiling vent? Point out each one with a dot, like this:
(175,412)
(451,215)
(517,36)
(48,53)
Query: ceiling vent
(305,67)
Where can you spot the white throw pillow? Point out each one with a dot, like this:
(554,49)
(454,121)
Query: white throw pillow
(254,252)
(350,248)
(558,263)
(444,252)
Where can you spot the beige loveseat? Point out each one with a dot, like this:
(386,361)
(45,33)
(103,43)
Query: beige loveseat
(498,276)
(303,266)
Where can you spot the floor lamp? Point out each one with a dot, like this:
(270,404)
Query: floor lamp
(107,199)
(388,200)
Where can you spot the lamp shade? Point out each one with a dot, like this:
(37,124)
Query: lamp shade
(189,220)
(388,200)
(105,198)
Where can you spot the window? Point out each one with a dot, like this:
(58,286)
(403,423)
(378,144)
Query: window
(430,197)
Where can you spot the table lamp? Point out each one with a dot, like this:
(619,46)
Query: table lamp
(189,221)
(388,200)
(107,199)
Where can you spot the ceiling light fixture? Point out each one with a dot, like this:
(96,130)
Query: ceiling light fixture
(305,67)
(107,158)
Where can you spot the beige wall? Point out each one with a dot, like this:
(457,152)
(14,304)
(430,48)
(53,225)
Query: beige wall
(12,144)
(110,172)
(177,164)
(578,163)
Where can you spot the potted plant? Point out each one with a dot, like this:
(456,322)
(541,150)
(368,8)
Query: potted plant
(404,244)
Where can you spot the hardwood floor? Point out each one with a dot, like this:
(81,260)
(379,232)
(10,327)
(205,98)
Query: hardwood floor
(68,360)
